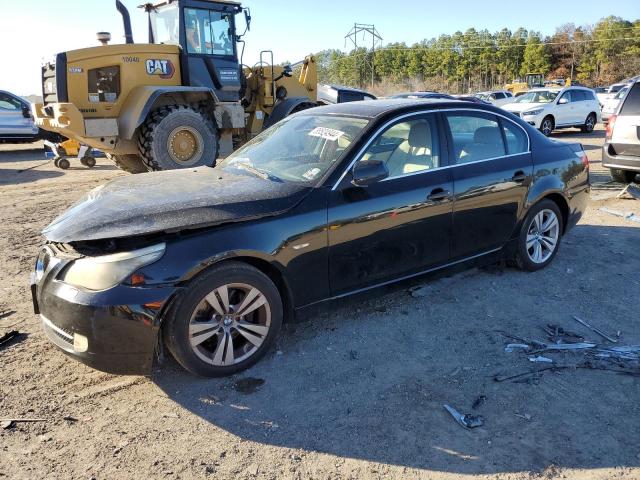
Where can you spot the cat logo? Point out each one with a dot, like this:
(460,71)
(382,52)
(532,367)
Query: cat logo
(161,67)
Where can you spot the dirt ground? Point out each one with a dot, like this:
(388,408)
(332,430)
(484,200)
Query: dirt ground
(356,392)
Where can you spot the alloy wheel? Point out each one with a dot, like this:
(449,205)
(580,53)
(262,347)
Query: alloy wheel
(542,236)
(547,127)
(230,324)
(590,123)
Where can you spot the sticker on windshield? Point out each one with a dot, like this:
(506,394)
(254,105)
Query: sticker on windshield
(311,174)
(326,133)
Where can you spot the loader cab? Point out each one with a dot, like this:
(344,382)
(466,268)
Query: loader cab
(206,33)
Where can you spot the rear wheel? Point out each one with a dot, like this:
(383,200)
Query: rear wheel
(540,236)
(589,123)
(622,176)
(129,163)
(547,125)
(177,136)
(225,321)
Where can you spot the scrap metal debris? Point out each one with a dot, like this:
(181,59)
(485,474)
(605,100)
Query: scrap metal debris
(8,423)
(625,215)
(467,421)
(479,401)
(558,334)
(629,192)
(540,359)
(596,330)
(9,337)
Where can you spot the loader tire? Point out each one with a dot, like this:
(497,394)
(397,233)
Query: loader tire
(129,163)
(177,136)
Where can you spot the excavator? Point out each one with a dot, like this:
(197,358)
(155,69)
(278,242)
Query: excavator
(179,101)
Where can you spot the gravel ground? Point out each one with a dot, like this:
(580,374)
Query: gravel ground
(355,392)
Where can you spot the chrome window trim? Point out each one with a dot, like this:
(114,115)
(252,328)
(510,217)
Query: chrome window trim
(362,150)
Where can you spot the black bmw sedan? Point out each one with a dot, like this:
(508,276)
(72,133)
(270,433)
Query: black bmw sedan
(328,202)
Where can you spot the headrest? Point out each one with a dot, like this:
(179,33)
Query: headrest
(487,135)
(420,134)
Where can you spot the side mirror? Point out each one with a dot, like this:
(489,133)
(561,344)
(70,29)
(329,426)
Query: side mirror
(26,111)
(247,18)
(368,172)
(563,101)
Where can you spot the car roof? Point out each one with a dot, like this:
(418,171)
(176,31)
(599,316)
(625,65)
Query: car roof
(373,109)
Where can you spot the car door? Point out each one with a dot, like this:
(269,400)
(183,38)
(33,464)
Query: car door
(582,107)
(564,112)
(12,119)
(491,177)
(398,226)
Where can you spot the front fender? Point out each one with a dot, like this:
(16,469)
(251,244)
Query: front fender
(142,100)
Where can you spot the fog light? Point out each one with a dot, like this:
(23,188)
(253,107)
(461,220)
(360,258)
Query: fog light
(80,343)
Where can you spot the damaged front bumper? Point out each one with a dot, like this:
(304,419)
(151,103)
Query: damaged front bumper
(115,330)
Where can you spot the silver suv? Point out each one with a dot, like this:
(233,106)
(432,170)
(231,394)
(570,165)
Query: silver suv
(621,151)
(16,122)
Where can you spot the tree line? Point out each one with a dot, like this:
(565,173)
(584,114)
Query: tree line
(475,60)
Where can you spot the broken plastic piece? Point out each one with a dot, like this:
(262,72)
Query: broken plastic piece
(540,359)
(466,421)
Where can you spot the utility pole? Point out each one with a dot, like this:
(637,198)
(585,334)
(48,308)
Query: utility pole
(376,40)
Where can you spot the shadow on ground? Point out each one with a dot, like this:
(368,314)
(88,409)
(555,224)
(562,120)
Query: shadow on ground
(368,379)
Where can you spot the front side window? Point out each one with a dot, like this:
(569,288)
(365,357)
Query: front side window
(566,97)
(7,102)
(539,96)
(208,32)
(476,136)
(164,24)
(407,147)
(297,149)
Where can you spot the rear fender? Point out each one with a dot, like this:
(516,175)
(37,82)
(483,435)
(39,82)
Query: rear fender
(142,100)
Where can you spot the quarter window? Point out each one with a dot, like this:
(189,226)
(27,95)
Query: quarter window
(476,136)
(208,32)
(517,140)
(407,147)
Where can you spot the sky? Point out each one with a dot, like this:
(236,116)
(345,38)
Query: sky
(35,30)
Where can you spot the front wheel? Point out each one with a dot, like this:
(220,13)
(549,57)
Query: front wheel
(547,125)
(177,136)
(540,236)
(225,321)
(128,162)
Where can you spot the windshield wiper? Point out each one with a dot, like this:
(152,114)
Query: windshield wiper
(257,172)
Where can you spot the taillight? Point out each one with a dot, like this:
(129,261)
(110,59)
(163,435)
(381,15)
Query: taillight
(609,127)
(585,160)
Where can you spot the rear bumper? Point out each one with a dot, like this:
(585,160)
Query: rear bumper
(115,331)
(620,162)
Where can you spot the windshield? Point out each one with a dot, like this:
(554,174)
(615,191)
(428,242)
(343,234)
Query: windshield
(164,24)
(539,96)
(297,149)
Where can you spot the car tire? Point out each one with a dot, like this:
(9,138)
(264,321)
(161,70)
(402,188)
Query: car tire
(622,176)
(533,250)
(177,136)
(589,123)
(547,125)
(128,162)
(210,319)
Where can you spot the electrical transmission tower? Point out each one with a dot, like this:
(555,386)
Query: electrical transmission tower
(370,36)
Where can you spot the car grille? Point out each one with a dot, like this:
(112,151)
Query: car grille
(62,333)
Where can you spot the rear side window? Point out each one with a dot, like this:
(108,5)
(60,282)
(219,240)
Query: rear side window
(517,140)
(578,96)
(499,95)
(476,136)
(631,105)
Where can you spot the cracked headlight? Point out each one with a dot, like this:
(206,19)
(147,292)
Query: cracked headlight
(531,113)
(106,271)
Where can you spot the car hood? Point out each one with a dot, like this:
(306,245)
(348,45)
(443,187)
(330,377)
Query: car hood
(171,201)
(522,107)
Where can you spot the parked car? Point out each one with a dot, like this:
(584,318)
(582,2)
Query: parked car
(610,92)
(416,95)
(471,98)
(611,105)
(548,109)
(329,202)
(16,121)
(497,97)
(330,94)
(621,150)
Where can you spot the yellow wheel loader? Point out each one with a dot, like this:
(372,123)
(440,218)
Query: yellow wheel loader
(179,101)
(531,80)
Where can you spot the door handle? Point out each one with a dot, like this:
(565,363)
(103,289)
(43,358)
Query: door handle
(439,194)
(519,177)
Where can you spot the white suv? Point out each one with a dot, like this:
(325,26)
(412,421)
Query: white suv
(497,97)
(552,108)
